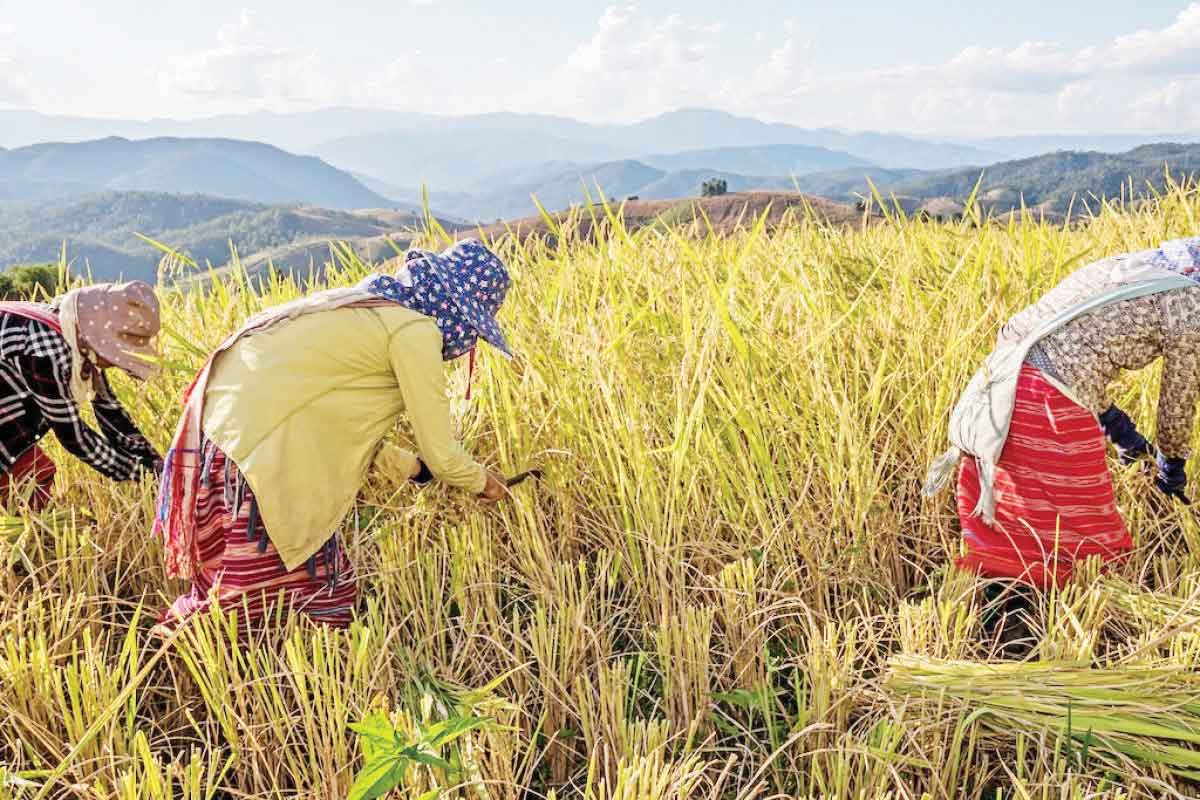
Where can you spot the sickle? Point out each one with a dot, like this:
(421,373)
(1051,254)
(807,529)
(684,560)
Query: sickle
(516,480)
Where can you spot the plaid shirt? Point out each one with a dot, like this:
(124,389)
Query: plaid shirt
(35,397)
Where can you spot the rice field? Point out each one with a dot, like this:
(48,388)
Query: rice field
(726,586)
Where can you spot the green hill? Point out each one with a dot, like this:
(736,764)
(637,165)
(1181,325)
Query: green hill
(100,230)
(1050,182)
(240,170)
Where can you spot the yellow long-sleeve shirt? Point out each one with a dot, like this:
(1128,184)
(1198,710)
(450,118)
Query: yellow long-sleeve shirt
(303,408)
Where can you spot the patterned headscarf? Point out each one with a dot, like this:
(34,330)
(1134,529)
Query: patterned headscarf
(1182,256)
(461,289)
(116,322)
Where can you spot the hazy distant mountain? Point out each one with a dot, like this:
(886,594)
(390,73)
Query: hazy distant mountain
(100,230)
(1014,147)
(564,184)
(455,154)
(695,129)
(1053,180)
(451,152)
(772,159)
(221,167)
(296,132)
(448,159)
(847,185)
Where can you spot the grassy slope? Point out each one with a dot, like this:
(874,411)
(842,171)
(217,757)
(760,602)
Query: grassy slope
(699,599)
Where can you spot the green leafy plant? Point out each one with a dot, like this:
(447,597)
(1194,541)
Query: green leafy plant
(388,754)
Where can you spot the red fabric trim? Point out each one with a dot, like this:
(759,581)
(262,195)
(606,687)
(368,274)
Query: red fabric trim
(470,373)
(1054,494)
(231,571)
(32,311)
(33,465)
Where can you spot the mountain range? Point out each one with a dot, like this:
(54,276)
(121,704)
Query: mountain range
(457,154)
(239,170)
(101,231)
(686,129)
(558,184)
(452,152)
(1053,182)
(201,193)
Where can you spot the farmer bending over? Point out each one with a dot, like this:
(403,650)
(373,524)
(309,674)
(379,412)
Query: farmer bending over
(1036,494)
(282,424)
(52,362)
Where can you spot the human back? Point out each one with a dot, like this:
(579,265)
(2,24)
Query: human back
(303,407)
(331,355)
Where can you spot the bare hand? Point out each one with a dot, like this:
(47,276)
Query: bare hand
(494,490)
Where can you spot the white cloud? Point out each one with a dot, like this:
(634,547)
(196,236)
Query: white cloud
(635,64)
(1172,106)
(637,61)
(1148,80)
(774,83)
(407,82)
(15,76)
(245,71)
(787,65)
(1172,50)
(14,81)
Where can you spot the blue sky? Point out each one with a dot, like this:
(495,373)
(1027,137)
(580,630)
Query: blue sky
(937,68)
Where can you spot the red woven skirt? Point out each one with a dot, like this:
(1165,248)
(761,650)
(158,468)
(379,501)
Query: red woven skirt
(243,571)
(1054,494)
(32,476)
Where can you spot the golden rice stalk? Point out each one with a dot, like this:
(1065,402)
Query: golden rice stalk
(944,625)
(744,626)
(685,663)
(603,714)
(1160,622)
(650,777)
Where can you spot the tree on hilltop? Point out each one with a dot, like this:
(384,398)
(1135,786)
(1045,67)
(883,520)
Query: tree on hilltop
(29,282)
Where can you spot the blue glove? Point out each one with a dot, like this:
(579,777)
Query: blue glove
(1119,428)
(1172,478)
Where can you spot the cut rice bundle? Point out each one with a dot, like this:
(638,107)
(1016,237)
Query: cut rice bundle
(1148,714)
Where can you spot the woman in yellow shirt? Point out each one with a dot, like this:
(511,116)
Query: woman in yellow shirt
(283,423)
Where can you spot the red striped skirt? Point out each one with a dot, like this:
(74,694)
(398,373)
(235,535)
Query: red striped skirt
(32,476)
(242,570)
(1054,494)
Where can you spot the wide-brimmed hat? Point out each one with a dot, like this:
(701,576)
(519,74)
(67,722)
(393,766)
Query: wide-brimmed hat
(461,288)
(1182,256)
(477,281)
(118,323)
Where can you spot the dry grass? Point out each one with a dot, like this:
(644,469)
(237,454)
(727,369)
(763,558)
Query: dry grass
(701,600)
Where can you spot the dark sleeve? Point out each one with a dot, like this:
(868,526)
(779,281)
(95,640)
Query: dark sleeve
(1179,393)
(49,379)
(116,425)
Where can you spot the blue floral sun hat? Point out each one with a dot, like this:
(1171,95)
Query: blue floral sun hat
(461,288)
(1182,256)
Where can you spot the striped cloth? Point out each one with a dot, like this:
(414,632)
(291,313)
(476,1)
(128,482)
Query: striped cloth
(1054,493)
(30,476)
(242,570)
(36,397)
